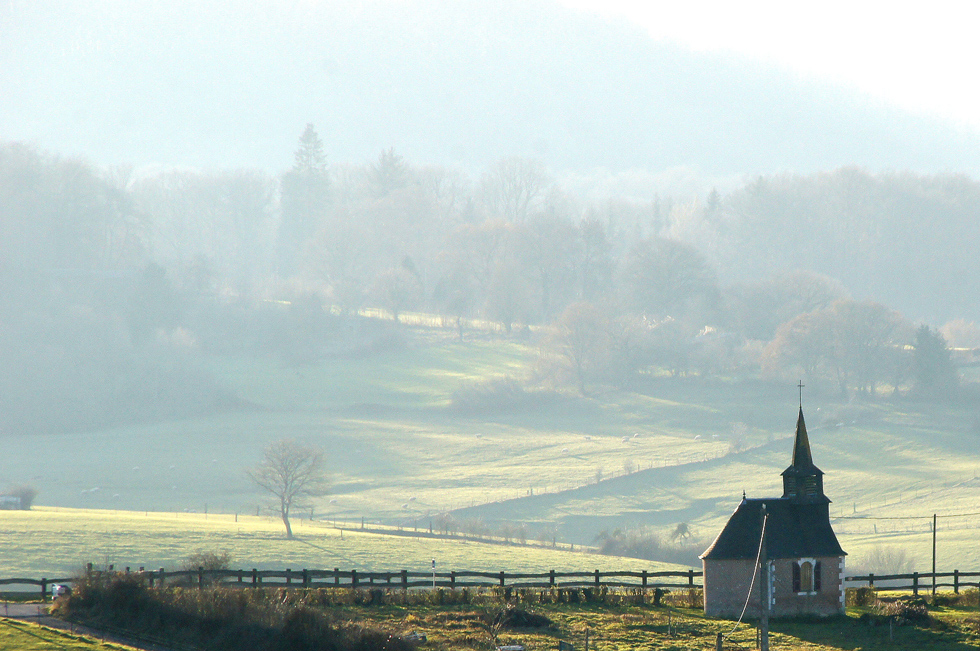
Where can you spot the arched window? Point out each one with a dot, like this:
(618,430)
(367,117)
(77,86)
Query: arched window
(806,576)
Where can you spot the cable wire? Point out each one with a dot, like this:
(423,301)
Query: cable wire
(906,517)
(758,555)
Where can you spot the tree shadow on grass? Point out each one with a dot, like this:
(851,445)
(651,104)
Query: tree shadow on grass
(331,552)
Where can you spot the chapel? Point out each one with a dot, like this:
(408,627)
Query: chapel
(805,568)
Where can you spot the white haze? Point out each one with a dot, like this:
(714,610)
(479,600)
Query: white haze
(229,84)
(909,56)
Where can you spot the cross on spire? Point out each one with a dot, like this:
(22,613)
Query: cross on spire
(801,385)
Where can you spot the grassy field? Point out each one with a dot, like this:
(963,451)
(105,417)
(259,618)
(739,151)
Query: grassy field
(52,542)
(21,636)
(619,628)
(610,627)
(399,454)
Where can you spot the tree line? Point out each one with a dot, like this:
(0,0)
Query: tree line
(115,274)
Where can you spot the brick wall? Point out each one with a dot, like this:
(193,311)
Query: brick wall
(726,583)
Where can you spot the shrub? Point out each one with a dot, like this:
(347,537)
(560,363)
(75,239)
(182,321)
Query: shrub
(883,559)
(23,497)
(905,611)
(970,598)
(218,618)
(512,617)
(649,545)
(860,597)
(691,598)
(209,560)
(944,599)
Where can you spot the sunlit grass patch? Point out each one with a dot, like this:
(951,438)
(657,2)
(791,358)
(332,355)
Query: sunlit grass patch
(49,542)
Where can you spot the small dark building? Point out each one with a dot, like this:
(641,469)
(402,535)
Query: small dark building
(806,563)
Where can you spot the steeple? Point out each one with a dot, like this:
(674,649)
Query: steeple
(803,481)
(801,449)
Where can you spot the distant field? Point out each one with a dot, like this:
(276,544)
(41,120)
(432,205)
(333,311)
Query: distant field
(50,542)
(399,455)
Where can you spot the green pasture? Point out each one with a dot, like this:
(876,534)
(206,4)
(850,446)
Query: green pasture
(54,542)
(886,477)
(669,451)
(21,636)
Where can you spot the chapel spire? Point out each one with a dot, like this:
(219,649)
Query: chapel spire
(801,449)
(803,481)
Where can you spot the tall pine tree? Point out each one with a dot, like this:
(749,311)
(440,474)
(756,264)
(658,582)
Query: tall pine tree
(304,197)
(935,373)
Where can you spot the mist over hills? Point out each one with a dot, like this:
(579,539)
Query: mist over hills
(229,84)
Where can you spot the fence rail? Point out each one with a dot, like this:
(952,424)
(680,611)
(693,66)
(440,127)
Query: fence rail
(919,581)
(405,579)
(402,579)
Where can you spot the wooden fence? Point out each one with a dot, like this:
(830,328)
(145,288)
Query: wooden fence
(918,581)
(402,579)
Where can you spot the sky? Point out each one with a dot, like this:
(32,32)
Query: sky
(919,56)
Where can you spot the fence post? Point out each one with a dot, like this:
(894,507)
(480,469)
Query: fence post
(353,578)
(44,589)
(336,576)
(644,578)
(162,574)
(306,578)
(289,579)
(240,576)
(956,581)
(915,584)
(597,578)
(452,580)
(255,576)
(404,579)
(501,577)
(871,579)
(551,578)
(690,578)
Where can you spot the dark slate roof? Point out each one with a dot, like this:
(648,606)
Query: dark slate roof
(802,458)
(794,530)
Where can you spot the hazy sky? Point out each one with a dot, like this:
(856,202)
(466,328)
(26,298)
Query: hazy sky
(921,56)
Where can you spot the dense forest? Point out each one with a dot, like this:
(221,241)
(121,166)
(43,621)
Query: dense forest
(117,284)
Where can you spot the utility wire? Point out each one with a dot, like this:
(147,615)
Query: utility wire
(758,555)
(905,517)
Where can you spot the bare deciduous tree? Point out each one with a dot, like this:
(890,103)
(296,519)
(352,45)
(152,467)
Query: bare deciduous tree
(580,342)
(290,470)
(512,189)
